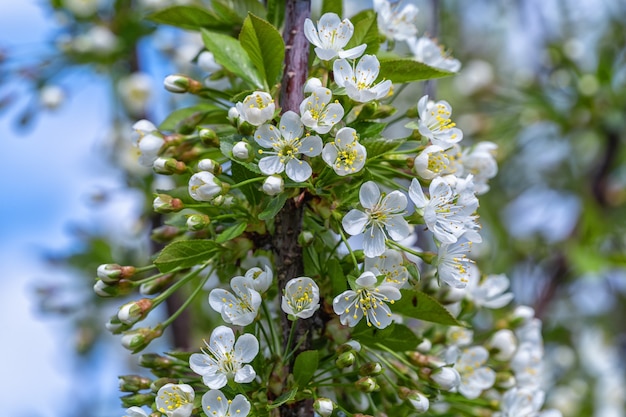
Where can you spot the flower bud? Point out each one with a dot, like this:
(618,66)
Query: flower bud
(209,137)
(311,84)
(324,407)
(131,313)
(425,346)
(417,358)
(367,111)
(209,165)
(168,166)
(153,360)
(112,273)
(274,184)
(242,151)
(371,369)
(115,326)
(502,345)
(233,114)
(120,288)
(305,238)
(204,186)
(137,400)
(164,203)
(419,401)
(446,378)
(156,285)
(189,123)
(180,84)
(197,222)
(522,315)
(133,383)
(137,340)
(366,384)
(345,360)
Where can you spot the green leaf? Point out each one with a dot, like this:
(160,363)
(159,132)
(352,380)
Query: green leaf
(305,366)
(276,12)
(231,232)
(250,191)
(365,31)
(332,6)
(407,70)
(419,305)
(185,254)
(286,397)
(337,277)
(189,17)
(368,129)
(208,114)
(395,336)
(265,47)
(380,145)
(230,54)
(224,10)
(273,207)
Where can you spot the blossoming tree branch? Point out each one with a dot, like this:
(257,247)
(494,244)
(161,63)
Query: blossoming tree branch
(331,260)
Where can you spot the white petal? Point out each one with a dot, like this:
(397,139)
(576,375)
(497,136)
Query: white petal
(325,54)
(266,136)
(353,53)
(222,339)
(240,406)
(246,348)
(297,170)
(245,375)
(395,201)
(367,69)
(310,32)
(416,194)
(291,125)
(216,381)
(201,364)
(342,72)
(311,145)
(369,194)
(271,165)
(344,301)
(374,242)
(210,402)
(354,222)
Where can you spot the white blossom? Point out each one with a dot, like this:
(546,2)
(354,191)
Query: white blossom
(257,108)
(504,343)
(331,36)
(287,144)
(490,292)
(135,412)
(241,150)
(479,161)
(261,278)
(274,184)
(51,96)
(369,300)
(521,402)
(446,377)
(204,186)
(135,90)
(445,213)
(435,123)
(345,155)
(389,264)
(324,407)
(469,362)
(452,263)
(301,297)
(175,400)
(240,308)
(359,81)
(81,8)
(215,404)
(318,113)
(224,359)
(382,213)
(434,161)
(148,140)
(427,51)
(395,22)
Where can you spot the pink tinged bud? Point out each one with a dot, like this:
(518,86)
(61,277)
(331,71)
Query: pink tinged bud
(324,407)
(366,384)
(131,313)
(168,166)
(242,151)
(274,184)
(446,378)
(164,203)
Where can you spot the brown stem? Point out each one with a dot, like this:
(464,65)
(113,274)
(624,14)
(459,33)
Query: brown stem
(288,222)
(603,168)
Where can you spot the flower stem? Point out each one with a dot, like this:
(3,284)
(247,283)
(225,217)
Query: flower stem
(193,295)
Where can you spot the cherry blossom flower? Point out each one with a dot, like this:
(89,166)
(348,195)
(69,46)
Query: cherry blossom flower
(301,297)
(389,264)
(359,81)
(224,358)
(469,363)
(261,278)
(504,343)
(149,141)
(135,412)
(215,404)
(435,123)
(479,161)
(318,113)
(204,186)
(395,22)
(175,400)
(367,300)
(331,36)
(427,51)
(382,213)
(257,108)
(490,292)
(287,144)
(452,263)
(240,308)
(434,161)
(445,214)
(345,155)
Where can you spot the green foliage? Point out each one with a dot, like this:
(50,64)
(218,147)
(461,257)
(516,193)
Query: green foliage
(419,305)
(265,47)
(305,366)
(273,207)
(408,70)
(396,336)
(229,53)
(285,398)
(185,254)
(231,232)
(190,17)
(202,112)
(365,31)
(332,6)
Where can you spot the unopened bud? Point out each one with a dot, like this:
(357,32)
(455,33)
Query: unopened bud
(115,326)
(209,137)
(122,287)
(156,285)
(348,346)
(165,233)
(366,384)
(367,111)
(425,346)
(419,401)
(157,384)
(137,340)
(242,151)
(153,360)
(502,345)
(324,407)
(131,313)
(133,383)
(274,184)
(233,114)
(112,273)
(169,166)
(371,369)
(164,203)
(345,360)
(446,378)
(137,400)
(305,238)
(197,222)
(204,186)
(209,165)
(177,83)
(417,358)
(311,84)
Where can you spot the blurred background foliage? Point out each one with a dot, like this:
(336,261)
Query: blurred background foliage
(545,81)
